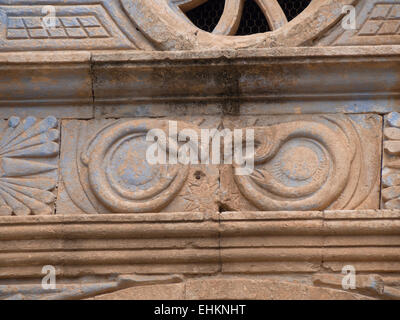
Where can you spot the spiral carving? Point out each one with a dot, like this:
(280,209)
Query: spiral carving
(121,177)
(303,165)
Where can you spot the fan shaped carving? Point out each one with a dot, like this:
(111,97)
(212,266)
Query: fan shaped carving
(28,166)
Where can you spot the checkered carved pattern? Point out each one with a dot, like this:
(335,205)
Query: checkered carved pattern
(81,27)
(384,20)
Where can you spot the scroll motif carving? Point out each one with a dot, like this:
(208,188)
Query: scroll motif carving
(28,166)
(301,163)
(115,175)
(119,174)
(307,165)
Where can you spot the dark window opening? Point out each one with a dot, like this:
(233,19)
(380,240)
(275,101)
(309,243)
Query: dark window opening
(293,8)
(253,20)
(207,15)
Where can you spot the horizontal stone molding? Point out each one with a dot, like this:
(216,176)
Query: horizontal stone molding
(43,84)
(271,81)
(200,243)
(265,81)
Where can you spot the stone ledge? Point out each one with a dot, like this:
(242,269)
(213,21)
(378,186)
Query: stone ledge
(268,81)
(83,84)
(281,53)
(197,243)
(43,84)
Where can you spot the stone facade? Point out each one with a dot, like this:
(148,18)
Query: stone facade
(82,85)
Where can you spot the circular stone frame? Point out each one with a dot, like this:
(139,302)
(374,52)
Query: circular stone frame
(151,200)
(166,26)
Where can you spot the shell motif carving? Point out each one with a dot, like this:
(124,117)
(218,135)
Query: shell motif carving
(391,162)
(305,165)
(28,166)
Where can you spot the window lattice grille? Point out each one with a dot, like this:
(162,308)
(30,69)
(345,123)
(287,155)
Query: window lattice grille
(207,15)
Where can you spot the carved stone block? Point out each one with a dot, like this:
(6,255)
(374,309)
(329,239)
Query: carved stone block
(308,163)
(165,24)
(377,23)
(105,170)
(46,84)
(301,163)
(391,162)
(207,149)
(162,25)
(29,151)
(96,25)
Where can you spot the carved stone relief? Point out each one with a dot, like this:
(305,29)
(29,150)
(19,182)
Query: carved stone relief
(377,22)
(309,163)
(105,170)
(301,163)
(121,255)
(162,25)
(86,24)
(167,27)
(391,162)
(82,196)
(29,165)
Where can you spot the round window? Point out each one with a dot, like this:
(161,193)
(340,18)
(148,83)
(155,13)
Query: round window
(233,24)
